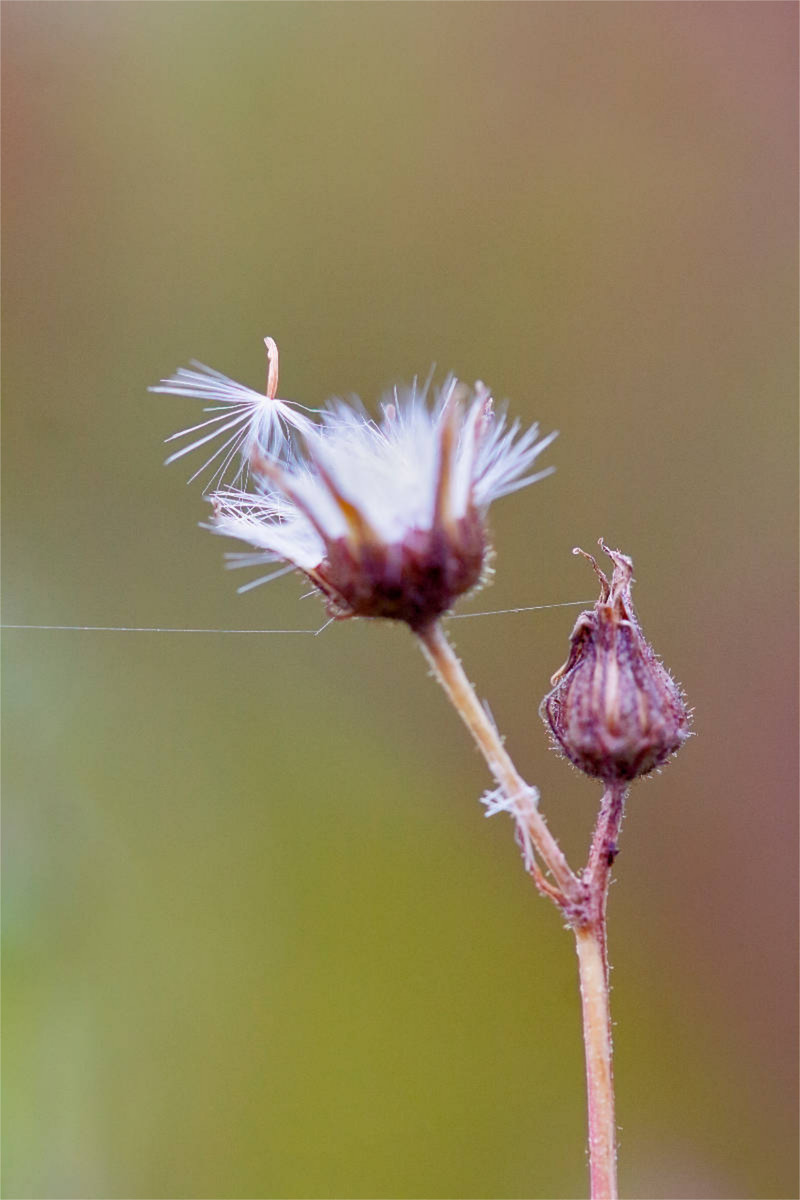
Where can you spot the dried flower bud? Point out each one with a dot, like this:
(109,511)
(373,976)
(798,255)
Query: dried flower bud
(614,710)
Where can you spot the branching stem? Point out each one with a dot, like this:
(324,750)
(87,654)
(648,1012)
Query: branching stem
(582,899)
(451,675)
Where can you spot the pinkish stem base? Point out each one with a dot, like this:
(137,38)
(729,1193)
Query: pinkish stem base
(599,1075)
(590,939)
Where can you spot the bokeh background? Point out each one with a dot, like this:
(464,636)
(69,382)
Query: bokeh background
(259,940)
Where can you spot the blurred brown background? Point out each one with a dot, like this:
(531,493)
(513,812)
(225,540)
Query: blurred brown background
(259,940)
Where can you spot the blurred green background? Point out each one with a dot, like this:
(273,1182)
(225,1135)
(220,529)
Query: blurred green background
(259,940)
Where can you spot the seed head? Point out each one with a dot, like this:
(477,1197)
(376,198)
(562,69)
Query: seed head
(387,518)
(614,710)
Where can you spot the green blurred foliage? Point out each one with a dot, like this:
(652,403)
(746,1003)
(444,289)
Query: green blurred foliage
(258,939)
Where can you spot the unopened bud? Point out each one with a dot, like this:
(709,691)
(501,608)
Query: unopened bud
(614,710)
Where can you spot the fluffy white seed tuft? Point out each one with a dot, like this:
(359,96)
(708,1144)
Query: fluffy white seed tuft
(386,516)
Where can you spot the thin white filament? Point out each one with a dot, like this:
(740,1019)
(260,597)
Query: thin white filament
(150,629)
(497,612)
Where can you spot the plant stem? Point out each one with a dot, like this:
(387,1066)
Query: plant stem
(583,900)
(599,1074)
(450,674)
(590,939)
